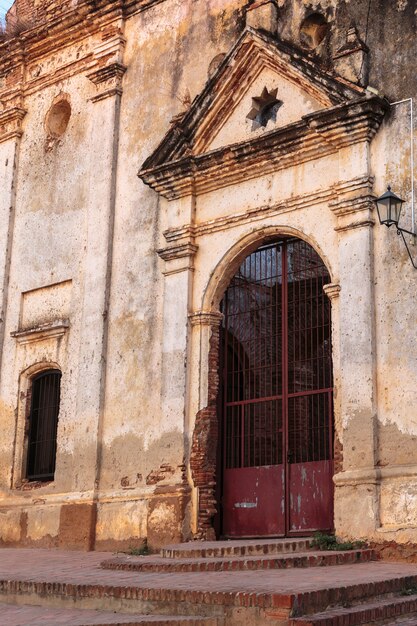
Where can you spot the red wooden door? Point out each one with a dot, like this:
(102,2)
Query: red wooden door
(277,395)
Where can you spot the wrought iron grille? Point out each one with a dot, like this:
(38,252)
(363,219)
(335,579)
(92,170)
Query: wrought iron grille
(43,424)
(277,370)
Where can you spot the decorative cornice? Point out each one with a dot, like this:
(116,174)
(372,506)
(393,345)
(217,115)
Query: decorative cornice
(354,205)
(11,123)
(54,330)
(78,39)
(294,203)
(348,193)
(108,79)
(206,318)
(108,73)
(332,290)
(180,251)
(315,135)
(69,24)
(361,223)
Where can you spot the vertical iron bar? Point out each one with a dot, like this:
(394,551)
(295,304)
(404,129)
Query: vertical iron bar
(284,330)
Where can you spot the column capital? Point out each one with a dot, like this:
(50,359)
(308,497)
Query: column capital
(11,123)
(206,318)
(332,290)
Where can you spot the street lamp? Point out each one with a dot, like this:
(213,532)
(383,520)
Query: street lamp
(389,210)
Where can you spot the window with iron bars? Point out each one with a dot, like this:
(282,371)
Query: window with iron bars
(43,426)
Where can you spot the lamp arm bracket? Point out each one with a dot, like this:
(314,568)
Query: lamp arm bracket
(401,231)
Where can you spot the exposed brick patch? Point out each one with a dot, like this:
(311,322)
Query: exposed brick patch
(24,14)
(158,475)
(204,445)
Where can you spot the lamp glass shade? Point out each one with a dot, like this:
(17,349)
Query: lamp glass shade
(389,208)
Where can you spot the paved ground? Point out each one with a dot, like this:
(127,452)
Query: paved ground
(83,568)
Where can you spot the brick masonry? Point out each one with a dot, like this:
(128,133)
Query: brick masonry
(203,459)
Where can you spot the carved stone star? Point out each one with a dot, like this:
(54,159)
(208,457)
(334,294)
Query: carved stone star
(264,108)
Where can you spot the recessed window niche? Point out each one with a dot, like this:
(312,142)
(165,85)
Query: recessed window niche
(313,30)
(58,117)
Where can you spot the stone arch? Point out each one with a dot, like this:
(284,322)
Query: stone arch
(229,263)
(203,456)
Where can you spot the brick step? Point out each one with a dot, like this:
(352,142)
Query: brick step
(238,563)
(247,547)
(374,612)
(379,591)
(130,597)
(30,615)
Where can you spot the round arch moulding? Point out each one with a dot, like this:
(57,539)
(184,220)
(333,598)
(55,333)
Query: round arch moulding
(229,263)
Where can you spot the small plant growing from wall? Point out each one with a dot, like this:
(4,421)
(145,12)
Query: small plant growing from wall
(323,541)
(142,550)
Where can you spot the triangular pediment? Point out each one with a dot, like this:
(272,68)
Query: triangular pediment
(264,93)
(218,116)
(260,63)
(253,115)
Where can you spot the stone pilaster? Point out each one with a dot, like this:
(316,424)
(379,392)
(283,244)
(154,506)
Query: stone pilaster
(104,130)
(11,131)
(356,504)
(332,291)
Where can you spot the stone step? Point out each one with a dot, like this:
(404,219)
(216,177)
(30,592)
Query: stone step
(30,615)
(246,547)
(238,563)
(377,611)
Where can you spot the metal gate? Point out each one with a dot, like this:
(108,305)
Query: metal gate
(277,423)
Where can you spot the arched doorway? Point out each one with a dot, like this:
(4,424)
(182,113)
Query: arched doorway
(276,430)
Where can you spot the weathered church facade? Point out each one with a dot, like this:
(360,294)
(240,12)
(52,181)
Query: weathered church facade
(205,331)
